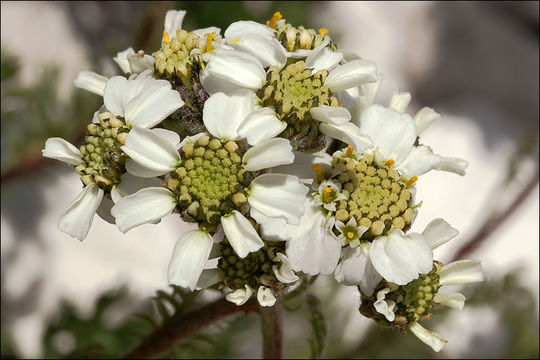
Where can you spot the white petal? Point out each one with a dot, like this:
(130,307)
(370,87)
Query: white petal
(325,59)
(78,216)
(267,154)
(453,300)
(145,206)
(439,232)
(349,134)
(173,21)
(351,74)
(208,278)
(267,50)
(278,195)
(140,62)
(153,104)
(385,307)
(202,32)
(130,184)
(89,80)
(260,125)
(393,133)
(151,151)
(122,59)
(335,115)
(429,338)
(400,101)
(232,67)
(461,272)
(312,248)
(271,228)
(455,165)
(119,91)
(284,273)
(302,164)
(104,210)
(424,118)
(399,258)
(59,149)
(223,114)
(265,296)
(356,269)
(419,161)
(242,28)
(137,169)
(189,257)
(240,296)
(241,234)
(168,135)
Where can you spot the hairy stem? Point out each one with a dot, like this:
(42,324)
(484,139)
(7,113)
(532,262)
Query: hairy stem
(162,340)
(271,322)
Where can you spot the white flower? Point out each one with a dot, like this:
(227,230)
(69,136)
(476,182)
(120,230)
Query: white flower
(385,307)
(265,296)
(128,61)
(284,273)
(329,192)
(273,196)
(78,216)
(142,102)
(456,273)
(240,296)
(350,233)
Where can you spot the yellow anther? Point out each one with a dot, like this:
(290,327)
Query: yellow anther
(209,39)
(236,40)
(318,168)
(166,38)
(389,163)
(326,193)
(350,234)
(350,150)
(323,31)
(274,19)
(411,181)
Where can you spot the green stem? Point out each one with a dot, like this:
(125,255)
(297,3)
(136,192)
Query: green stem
(271,323)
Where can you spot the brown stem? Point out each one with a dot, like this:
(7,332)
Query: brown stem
(162,340)
(271,322)
(496,220)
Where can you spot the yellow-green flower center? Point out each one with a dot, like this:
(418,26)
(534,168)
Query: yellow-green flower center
(413,301)
(177,56)
(210,181)
(292,92)
(104,161)
(376,196)
(293,38)
(253,270)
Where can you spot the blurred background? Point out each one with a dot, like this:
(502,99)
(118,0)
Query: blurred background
(476,63)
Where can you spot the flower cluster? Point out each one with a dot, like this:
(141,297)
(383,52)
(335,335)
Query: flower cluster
(269,140)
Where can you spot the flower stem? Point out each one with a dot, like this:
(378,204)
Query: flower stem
(271,322)
(163,339)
